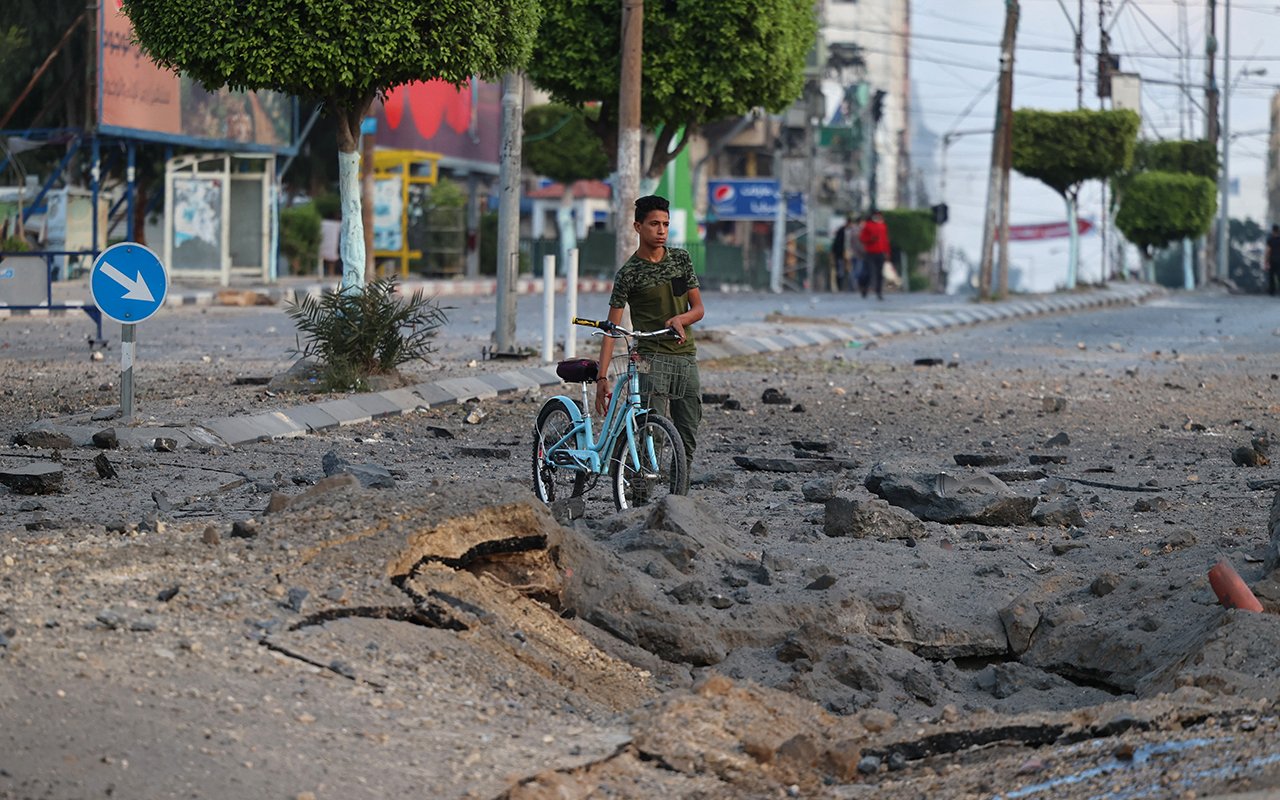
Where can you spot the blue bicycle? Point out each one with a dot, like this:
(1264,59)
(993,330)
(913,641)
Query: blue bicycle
(640,451)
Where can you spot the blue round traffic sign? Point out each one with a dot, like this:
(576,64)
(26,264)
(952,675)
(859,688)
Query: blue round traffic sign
(128,282)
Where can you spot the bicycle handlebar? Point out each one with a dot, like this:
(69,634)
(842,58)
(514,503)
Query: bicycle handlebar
(611,329)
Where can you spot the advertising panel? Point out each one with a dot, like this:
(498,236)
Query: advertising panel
(462,124)
(749,199)
(139,99)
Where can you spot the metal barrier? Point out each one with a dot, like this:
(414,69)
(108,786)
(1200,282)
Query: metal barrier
(26,284)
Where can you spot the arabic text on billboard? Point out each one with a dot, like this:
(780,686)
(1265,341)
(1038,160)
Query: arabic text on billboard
(749,199)
(148,102)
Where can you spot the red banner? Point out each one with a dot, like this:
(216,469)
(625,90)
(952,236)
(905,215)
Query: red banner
(1047,230)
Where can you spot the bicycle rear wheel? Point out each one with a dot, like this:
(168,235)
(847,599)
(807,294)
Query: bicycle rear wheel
(552,482)
(658,468)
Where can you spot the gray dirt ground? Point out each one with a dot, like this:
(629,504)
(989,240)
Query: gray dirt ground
(719,646)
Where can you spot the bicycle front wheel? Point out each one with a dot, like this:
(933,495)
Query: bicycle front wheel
(552,482)
(656,468)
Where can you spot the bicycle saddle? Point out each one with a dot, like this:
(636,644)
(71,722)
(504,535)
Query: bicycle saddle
(578,370)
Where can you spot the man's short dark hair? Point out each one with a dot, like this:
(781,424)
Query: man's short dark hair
(651,202)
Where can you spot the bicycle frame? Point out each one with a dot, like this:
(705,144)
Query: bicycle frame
(590,455)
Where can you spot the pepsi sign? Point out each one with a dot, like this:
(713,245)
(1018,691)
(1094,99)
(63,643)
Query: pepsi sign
(749,199)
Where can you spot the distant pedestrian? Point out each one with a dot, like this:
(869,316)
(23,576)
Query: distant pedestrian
(1271,261)
(875,238)
(842,245)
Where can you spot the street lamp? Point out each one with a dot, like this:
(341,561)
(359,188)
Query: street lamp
(1224,220)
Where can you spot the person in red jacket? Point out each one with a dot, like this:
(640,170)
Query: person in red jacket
(875,239)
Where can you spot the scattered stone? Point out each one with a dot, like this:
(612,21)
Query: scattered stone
(439,433)
(760,528)
(110,619)
(46,440)
(811,446)
(860,519)
(142,626)
(928,362)
(819,490)
(371,476)
(1020,619)
(1060,439)
(1178,541)
(1249,457)
(869,765)
(1105,584)
(714,398)
(104,414)
(106,439)
(731,405)
(774,397)
(1042,458)
(822,583)
(243,529)
(781,485)
(1060,512)
(1062,548)
(164,444)
(104,467)
(42,522)
(152,524)
(497,453)
(294,600)
(938,497)
(720,602)
(475,415)
(41,477)
(567,509)
(1156,503)
(163,505)
(980,459)
(165,595)
(792,650)
(798,408)
(1052,405)
(1019,475)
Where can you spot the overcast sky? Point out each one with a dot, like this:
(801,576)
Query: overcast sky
(955,57)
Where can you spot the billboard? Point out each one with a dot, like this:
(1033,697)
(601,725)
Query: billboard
(462,124)
(749,199)
(136,98)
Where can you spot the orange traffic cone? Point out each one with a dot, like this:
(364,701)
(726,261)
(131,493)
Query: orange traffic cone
(1230,589)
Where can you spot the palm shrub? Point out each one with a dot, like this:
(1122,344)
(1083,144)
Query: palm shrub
(357,335)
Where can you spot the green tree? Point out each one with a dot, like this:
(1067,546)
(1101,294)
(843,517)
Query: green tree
(1161,207)
(912,231)
(559,145)
(1063,149)
(702,62)
(341,52)
(1192,156)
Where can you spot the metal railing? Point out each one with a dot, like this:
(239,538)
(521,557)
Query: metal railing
(21,281)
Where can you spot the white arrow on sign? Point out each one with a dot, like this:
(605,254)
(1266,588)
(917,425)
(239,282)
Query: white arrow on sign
(134,289)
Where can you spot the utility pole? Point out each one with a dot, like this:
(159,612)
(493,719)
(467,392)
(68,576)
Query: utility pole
(628,183)
(1224,221)
(1080,57)
(1104,91)
(1211,117)
(509,210)
(996,223)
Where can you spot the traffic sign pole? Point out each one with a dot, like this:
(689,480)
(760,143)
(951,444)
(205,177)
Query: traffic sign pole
(128,283)
(128,346)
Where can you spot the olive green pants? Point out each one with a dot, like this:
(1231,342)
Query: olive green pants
(669,385)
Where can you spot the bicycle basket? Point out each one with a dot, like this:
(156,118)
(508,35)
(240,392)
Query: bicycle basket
(663,376)
(577,370)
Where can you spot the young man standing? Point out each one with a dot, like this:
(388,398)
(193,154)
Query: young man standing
(875,238)
(659,284)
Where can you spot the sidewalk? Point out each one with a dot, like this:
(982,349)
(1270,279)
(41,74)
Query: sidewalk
(724,342)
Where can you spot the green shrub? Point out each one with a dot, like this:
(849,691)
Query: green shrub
(300,236)
(356,335)
(14,244)
(328,205)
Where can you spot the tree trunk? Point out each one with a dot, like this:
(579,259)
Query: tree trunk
(353,248)
(1073,249)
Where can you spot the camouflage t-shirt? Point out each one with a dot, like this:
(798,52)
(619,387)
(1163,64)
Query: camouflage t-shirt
(656,292)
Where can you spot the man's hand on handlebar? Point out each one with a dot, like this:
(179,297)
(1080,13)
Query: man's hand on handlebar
(676,328)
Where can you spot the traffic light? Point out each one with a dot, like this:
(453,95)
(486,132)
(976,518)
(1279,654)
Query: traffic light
(939,213)
(877,105)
